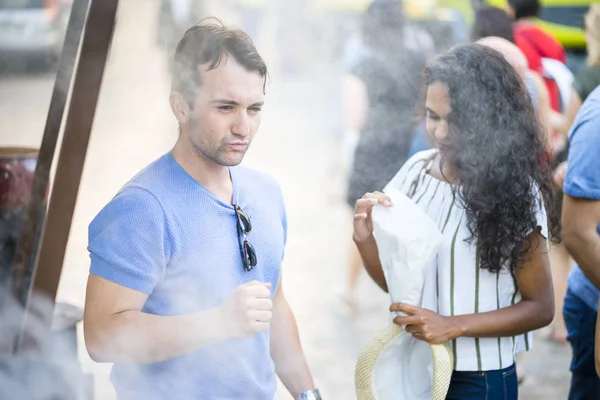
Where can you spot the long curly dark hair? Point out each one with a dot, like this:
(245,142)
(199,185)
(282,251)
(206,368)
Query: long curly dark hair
(496,148)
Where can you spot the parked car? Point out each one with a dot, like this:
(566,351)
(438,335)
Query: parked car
(32,31)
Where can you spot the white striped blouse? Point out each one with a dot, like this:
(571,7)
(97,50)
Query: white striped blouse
(455,284)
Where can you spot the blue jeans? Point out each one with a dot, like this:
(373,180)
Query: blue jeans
(498,384)
(580,321)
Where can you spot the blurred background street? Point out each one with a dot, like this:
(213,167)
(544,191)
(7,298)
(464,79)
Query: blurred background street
(299,143)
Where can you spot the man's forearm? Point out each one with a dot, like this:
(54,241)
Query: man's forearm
(584,247)
(286,350)
(141,338)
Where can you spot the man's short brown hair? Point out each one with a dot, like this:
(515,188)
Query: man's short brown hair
(207,43)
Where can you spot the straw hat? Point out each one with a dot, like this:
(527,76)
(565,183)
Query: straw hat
(395,365)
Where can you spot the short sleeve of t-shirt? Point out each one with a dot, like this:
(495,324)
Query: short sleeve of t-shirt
(586,80)
(583,172)
(411,169)
(415,165)
(541,215)
(128,240)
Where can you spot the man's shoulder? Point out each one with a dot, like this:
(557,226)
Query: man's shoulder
(143,190)
(582,180)
(153,175)
(588,115)
(592,100)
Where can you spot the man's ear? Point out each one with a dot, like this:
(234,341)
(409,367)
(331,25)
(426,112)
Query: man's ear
(180,107)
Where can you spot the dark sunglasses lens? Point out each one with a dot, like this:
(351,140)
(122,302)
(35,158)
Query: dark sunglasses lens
(245,220)
(251,254)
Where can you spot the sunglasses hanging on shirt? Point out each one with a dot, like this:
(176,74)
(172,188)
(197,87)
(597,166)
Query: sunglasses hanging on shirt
(244,227)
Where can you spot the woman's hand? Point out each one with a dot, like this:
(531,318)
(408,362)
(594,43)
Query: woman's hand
(363,223)
(426,325)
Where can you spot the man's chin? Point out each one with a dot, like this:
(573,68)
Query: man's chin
(231,161)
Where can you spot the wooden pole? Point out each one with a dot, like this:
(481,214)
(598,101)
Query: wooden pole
(95,48)
(33,216)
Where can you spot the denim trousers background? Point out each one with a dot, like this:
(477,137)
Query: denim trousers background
(580,321)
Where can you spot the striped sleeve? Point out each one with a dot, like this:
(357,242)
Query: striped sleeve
(540,212)
(409,170)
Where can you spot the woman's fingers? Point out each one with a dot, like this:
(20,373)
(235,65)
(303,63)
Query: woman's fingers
(381,198)
(363,226)
(414,329)
(363,205)
(408,320)
(384,199)
(366,203)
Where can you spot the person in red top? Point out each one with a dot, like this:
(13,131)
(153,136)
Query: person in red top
(535,43)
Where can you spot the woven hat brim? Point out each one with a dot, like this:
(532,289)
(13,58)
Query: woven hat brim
(363,377)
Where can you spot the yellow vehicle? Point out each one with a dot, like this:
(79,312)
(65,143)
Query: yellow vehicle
(415,9)
(563,19)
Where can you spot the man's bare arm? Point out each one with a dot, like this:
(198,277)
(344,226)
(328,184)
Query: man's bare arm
(580,220)
(116,330)
(286,350)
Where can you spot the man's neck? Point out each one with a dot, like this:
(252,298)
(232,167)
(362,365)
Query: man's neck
(212,176)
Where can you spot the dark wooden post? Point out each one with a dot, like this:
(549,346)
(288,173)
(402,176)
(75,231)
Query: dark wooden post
(95,46)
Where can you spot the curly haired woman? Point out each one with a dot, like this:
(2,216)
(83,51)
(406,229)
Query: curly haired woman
(485,186)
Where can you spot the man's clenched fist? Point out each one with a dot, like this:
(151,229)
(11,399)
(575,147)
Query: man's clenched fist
(248,310)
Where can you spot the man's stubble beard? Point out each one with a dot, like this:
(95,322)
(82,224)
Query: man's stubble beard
(205,149)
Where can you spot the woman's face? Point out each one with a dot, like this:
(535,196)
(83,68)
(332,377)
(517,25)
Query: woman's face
(437,104)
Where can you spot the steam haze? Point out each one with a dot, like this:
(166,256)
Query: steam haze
(300,142)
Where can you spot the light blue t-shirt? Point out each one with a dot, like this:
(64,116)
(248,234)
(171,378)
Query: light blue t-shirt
(583,179)
(166,235)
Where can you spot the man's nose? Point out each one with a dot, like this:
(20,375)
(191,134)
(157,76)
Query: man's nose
(241,126)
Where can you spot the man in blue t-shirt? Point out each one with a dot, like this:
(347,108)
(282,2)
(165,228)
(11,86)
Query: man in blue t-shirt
(581,231)
(184,293)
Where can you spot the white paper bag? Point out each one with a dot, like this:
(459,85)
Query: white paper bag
(404,368)
(407,241)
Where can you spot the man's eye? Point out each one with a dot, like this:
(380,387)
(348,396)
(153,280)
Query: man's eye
(225,108)
(255,109)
